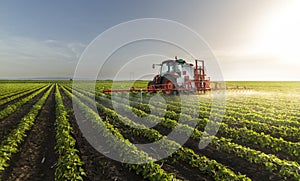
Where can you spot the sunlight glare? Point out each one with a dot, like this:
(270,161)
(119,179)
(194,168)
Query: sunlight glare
(281,34)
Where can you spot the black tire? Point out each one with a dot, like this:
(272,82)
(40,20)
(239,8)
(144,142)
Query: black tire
(168,86)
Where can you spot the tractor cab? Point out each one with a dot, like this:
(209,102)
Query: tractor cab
(173,67)
(178,75)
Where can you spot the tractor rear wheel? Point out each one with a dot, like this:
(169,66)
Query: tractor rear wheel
(151,87)
(168,87)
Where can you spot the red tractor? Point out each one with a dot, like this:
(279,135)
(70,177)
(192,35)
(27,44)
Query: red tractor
(175,76)
(179,76)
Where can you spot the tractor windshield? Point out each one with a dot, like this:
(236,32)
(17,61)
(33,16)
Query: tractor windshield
(178,67)
(171,67)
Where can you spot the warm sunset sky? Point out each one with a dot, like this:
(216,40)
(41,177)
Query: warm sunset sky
(252,40)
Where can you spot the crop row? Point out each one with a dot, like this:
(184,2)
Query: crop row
(69,164)
(263,103)
(262,118)
(18,95)
(271,162)
(116,142)
(14,88)
(20,89)
(211,167)
(239,111)
(287,168)
(246,112)
(288,133)
(13,107)
(11,144)
(245,135)
(232,120)
(250,120)
(278,109)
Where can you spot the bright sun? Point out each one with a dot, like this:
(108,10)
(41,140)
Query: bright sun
(280,35)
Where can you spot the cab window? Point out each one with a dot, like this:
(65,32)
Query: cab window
(178,67)
(164,68)
(170,67)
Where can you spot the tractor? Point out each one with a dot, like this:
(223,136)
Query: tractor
(177,76)
(174,77)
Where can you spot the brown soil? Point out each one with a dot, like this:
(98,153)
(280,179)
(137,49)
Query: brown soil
(11,122)
(37,157)
(16,100)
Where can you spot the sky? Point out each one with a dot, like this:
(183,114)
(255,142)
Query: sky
(252,40)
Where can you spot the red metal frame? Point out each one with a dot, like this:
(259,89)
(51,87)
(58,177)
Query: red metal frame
(201,82)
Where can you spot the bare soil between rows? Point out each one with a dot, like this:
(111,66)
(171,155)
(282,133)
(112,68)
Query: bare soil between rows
(36,158)
(11,122)
(17,99)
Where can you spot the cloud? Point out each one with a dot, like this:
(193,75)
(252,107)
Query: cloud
(20,48)
(23,56)
(76,48)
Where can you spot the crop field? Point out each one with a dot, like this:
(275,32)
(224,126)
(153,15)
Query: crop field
(41,139)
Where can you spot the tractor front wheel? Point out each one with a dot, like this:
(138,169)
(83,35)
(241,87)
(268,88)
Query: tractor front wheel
(168,87)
